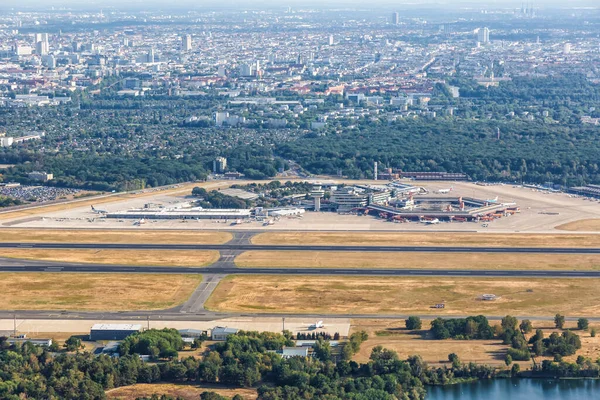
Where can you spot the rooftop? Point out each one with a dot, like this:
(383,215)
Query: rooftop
(116,327)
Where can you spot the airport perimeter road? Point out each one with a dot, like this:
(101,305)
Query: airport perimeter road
(169,315)
(79,268)
(248,247)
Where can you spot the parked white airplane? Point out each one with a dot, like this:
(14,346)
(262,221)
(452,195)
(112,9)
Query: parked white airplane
(444,191)
(97,211)
(494,200)
(140,222)
(434,221)
(317,325)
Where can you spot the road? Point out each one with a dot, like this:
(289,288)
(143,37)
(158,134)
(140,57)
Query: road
(169,315)
(249,247)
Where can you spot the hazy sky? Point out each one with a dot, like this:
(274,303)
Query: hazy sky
(162,4)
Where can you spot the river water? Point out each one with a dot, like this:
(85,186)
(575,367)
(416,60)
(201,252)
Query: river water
(519,389)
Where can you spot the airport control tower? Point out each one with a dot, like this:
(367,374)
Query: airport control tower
(317,194)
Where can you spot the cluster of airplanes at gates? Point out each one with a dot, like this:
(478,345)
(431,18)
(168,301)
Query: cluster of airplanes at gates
(436,221)
(446,191)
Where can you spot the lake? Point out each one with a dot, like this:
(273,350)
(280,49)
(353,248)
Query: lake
(519,389)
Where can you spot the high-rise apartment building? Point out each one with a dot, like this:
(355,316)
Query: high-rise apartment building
(483,36)
(186,43)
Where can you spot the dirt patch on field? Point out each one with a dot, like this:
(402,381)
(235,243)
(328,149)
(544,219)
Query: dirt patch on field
(427,239)
(395,295)
(407,260)
(162,258)
(102,292)
(187,392)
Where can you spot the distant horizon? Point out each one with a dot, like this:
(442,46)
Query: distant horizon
(148,5)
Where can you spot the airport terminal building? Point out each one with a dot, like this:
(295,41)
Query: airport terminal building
(183,213)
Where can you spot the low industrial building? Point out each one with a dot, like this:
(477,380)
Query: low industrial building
(192,333)
(220,333)
(289,352)
(35,342)
(40,176)
(113,331)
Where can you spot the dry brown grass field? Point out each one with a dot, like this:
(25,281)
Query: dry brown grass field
(161,258)
(102,292)
(428,239)
(391,334)
(112,236)
(187,392)
(399,295)
(487,261)
(590,225)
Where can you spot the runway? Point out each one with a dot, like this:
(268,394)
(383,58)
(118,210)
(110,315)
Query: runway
(249,247)
(80,268)
(193,310)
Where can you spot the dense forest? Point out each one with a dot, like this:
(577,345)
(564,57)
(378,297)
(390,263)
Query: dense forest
(246,359)
(530,152)
(132,172)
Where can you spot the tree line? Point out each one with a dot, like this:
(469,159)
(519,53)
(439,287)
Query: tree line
(246,359)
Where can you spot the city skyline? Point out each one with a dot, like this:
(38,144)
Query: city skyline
(236,5)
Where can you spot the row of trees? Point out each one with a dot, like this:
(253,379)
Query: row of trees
(582,323)
(462,328)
